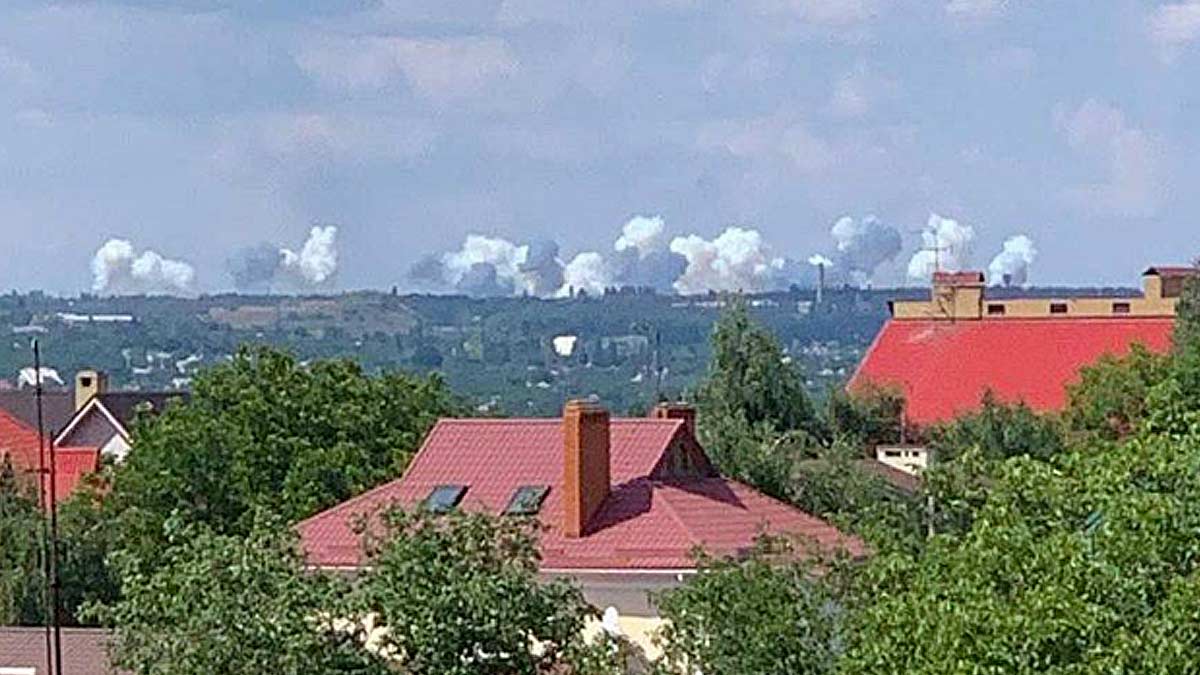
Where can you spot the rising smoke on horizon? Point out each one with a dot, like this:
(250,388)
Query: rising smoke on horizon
(119,269)
(1011,266)
(269,267)
(863,246)
(946,246)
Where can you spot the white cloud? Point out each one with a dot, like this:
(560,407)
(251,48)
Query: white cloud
(857,91)
(764,138)
(833,13)
(1131,157)
(975,10)
(441,70)
(15,70)
(1173,27)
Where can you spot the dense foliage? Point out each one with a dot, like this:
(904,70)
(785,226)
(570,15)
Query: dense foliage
(266,432)
(769,615)
(452,594)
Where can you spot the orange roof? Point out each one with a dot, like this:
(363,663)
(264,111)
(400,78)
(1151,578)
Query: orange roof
(650,520)
(20,443)
(944,368)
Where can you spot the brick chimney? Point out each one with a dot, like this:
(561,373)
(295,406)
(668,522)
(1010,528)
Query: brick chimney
(677,411)
(586,477)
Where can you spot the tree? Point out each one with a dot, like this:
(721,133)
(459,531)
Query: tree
(752,396)
(750,375)
(22,581)
(226,604)
(1109,400)
(999,431)
(459,595)
(1082,564)
(763,615)
(265,432)
(870,417)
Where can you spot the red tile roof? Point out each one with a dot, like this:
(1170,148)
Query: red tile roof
(84,650)
(958,278)
(20,443)
(646,522)
(945,367)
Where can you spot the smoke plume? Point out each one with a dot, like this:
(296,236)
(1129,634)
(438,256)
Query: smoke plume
(946,246)
(266,267)
(118,269)
(864,245)
(736,260)
(1011,266)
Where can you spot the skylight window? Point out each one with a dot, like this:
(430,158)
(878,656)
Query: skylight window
(527,500)
(444,498)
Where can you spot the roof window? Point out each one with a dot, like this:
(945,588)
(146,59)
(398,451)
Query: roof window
(444,498)
(527,500)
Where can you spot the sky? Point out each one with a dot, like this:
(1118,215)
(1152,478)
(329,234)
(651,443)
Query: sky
(198,128)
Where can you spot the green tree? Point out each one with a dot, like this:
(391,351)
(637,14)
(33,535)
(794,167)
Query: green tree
(459,594)
(1082,564)
(999,431)
(22,584)
(265,432)
(1109,400)
(752,396)
(749,375)
(763,615)
(229,604)
(871,417)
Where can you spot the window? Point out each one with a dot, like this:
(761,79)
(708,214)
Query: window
(996,310)
(1058,308)
(444,498)
(1121,308)
(526,501)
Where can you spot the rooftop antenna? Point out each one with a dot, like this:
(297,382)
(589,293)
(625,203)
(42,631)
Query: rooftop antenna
(47,480)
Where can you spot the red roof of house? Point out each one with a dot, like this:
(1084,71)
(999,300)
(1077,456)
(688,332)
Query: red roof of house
(958,278)
(944,368)
(20,443)
(647,521)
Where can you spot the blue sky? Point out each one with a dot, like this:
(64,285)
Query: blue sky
(198,127)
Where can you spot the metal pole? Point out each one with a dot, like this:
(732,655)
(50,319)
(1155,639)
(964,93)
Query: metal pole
(54,580)
(47,596)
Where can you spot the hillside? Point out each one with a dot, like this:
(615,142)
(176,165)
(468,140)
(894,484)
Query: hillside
(497,352)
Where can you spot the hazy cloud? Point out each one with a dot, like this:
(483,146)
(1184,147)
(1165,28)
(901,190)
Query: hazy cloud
(1130,158)
(1173,27)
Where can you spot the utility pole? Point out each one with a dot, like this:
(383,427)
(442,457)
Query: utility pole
(48,501)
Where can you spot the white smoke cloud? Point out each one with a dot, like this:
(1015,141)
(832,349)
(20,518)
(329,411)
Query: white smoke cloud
(946,246)
(317,261)
(643,234)
(736,260)
(118,269)
(818,260)
(493,266)
(1011,266)
(864,245)
(587,271)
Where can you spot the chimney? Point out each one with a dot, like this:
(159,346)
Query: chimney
(820,283)
(586,477)
(677,411)
(88,384)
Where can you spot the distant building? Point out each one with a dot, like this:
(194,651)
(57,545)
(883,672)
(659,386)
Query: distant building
(623,502)
(946,352)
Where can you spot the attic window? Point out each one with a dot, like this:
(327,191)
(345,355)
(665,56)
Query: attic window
(444,498)
(996,310)
(1058,308)
(526,501)
(1121,308)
